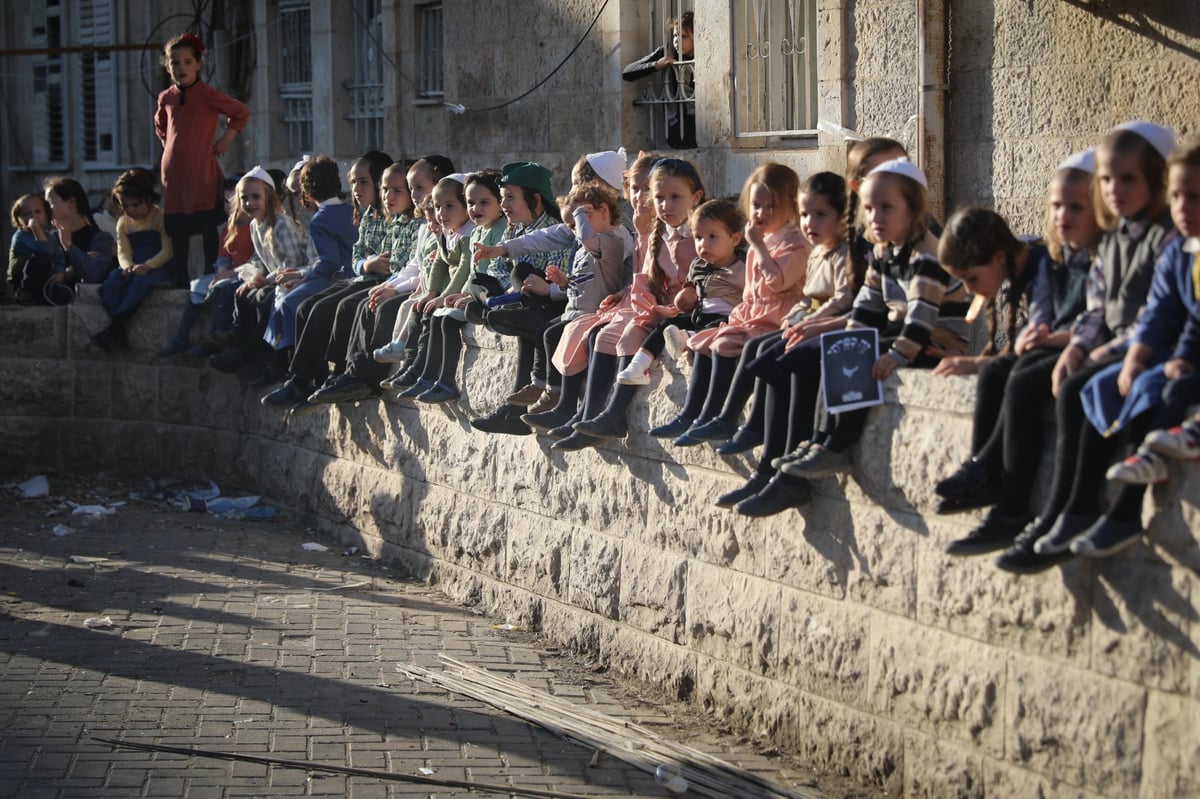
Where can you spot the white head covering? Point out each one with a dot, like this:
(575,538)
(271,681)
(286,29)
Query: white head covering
(1084,161)
(609,165)
(902,166)
(1161,138)
(461,177)
(258,173)
(299,165)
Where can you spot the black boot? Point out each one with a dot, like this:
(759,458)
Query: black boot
(610,421)
(781,493)
(560,414)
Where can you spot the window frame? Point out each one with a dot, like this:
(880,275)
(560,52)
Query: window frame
(747,91)
(431,61)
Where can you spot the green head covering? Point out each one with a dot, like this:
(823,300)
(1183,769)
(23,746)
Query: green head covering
(529,175)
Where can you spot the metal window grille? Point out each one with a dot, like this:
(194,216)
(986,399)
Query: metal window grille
(366,92)
(98,83)
(295,72)
(429,50)
(669,96)
(775,67)
(49,96)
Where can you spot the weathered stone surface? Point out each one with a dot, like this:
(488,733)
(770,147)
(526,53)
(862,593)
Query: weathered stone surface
(36,387)
(816,551)
(464,530)
(1067,724)
(653,591)
(650,658)
(732,617)
(1046,614)
(33,331)
(537,558)
(934,768)
(1004,780)
(883,570)
(1172,747)
(824,647)
(595,566)
(1141,629)
(939,683)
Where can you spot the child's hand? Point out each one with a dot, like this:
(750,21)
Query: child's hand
(754,235)
(64,235)
(556,276)
(884,367)
(1177,368)
(687,298)
(1031,338)
(662,312)
(378,264)
(460,301)
(378,294)
(140,269)
(535,285)
(434,304)
(485,253)
(664,62)
(1130,370)
(956,365)
(1068,364)
(222,144)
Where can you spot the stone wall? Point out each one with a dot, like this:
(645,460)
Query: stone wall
(841,632)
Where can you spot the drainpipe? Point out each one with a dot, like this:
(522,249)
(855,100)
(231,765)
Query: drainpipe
(932,86)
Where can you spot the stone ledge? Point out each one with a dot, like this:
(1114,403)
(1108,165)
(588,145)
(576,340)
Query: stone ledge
(842,632)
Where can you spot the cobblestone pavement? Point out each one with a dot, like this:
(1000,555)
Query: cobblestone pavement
(228,635)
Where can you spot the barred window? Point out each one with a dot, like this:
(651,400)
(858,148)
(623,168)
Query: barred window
(98,83)
(775,67)
(670,96)
(295,72)
(48,103)
(429,51)
(366,91)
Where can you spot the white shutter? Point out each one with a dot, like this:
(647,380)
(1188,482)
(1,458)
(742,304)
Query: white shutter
(97,82)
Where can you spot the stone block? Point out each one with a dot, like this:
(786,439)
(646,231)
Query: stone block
(824,647)
(658,662)
(93,390)
(135,392)
(463,529)
(653,591)
(1142,615)
(812,549)
(1172,747)
(1059,108)
(883,570)
(595,567)
(938,683)
(1010,102)
(538,557)
(935,768)
(1074,726)
(1026,34)
(33,331)
(31,443)
(37,387)
(975,38)
(1004,780)
(732,617)
(1046,614)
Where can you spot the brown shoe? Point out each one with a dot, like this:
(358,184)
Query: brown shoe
(546,402)
(530,393)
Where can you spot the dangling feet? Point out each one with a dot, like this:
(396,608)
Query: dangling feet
(637,373)
(972,486)
(1181,442)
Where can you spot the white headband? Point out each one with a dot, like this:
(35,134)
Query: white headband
(258,173)
(1084,161)
(902,166)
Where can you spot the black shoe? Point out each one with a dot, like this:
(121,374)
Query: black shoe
(756,483)
(564,430)
(743,440)
(1107,537)
(306,408)
(406,379)
(575,441)
(105,340)
(505,420)
(287,396)
(970,478)
(606,425)
(415,390)
(547,421)
(780,494)
(228,362)
(714,430)
(272,376)
(438,393)
(1020,557)
(996,531)
(672,429)
(344,388)
(985,497)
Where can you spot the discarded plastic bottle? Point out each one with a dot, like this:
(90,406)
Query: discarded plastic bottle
(668,776)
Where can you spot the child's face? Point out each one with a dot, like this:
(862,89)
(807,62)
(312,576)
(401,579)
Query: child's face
(639,192)
(134,207)
(889,219)
(715,242)
(599,216)
(985,280)
(513,205)
(395,193)
(184,66)
(419,185)
(431,221)
(362,188)
(1071,212)
(62,209)
(1123,184)
(482,206)
(451,214)
(674,199)
(254,199)
(33,211)
(682,39)
(763,213)
(1183,192)
(818,219)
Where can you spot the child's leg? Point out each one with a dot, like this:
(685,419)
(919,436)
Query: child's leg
(723,370)
(452,344)
(697,392)
(431,344)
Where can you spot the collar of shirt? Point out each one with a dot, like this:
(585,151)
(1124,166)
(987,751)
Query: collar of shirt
(1135,228)
(1192,245)
(335,200)
(452,239)
(675,233)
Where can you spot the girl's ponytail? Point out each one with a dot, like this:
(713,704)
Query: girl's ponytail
(657,278)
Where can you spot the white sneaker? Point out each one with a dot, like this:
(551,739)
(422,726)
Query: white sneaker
(637,373)
(392,352)
(1142,468)
(1181,442)
(674,340)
